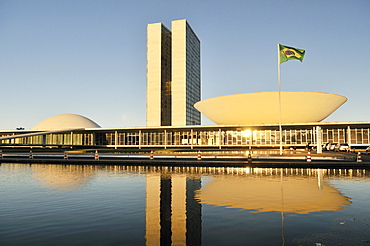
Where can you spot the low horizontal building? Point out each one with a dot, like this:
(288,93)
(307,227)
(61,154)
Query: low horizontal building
(356,134)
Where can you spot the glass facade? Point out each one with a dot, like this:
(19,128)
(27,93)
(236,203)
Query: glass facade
(192,76)
(166,72)
(200,136)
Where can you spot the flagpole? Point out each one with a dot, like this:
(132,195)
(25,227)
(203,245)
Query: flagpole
(280,130)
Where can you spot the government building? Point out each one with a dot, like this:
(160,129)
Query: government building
(84,133)
(173,75)
(174,107)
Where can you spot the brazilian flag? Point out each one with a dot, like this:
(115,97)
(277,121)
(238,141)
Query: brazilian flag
(289,53)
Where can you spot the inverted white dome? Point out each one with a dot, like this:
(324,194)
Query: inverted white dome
(263,107)
(65,121)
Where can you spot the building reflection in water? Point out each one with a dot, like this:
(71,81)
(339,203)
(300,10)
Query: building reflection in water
(174,195)
(173,212)
(173,216)
(68,177)
(300,194)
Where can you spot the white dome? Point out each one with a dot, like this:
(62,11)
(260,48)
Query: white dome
(263,107)
(65,121)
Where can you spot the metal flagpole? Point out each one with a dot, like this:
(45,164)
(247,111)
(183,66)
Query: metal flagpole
(280,130)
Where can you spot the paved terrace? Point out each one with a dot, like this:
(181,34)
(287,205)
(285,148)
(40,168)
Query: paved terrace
(258,158)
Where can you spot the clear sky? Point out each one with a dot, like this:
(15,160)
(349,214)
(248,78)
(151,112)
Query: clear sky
(89,57)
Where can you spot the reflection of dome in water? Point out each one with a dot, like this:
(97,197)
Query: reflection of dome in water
(299,195)
(61,177)
(65,121)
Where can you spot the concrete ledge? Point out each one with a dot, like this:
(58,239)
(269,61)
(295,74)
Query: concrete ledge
(285,162)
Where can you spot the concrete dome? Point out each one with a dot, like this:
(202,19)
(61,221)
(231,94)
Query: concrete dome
(65,121)
(263,107)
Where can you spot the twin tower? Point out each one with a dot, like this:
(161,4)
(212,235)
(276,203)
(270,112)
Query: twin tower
(173,75)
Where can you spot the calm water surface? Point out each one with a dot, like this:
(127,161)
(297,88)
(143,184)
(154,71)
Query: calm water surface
(120,205)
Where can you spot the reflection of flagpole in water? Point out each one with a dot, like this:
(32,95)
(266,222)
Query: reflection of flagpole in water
(282,208)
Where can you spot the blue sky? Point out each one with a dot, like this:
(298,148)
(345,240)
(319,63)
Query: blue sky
(89,57)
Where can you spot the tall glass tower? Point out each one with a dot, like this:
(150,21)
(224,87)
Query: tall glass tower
(173,75)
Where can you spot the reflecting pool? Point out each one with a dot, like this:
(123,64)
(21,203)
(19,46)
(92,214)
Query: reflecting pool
(135,205)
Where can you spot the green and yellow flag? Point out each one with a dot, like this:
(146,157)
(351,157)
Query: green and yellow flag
(289,53)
